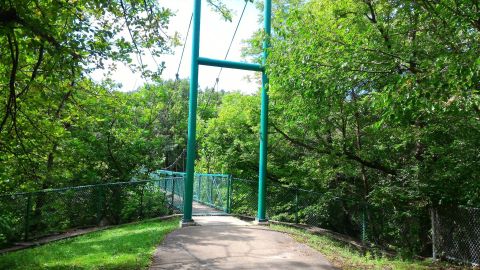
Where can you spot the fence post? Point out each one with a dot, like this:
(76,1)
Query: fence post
(199,191)
(364,224)
(141,201)
(229,188)
(433,217)
(173,191)
(296,205)
(27,216)
(99,204)
(232,181)
(211,190)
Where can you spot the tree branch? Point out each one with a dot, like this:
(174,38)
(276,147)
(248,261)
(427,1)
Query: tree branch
(292,140)
(35,70)
(349,155)
(373,19)
(14,54)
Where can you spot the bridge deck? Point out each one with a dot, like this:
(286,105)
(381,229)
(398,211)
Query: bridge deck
(200,209)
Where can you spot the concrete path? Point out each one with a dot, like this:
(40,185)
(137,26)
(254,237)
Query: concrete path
(224,242)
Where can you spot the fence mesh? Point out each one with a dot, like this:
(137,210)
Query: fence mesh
(244,197)
(294,205)
(399,226)
(26,216)
(456,233)
(212,190)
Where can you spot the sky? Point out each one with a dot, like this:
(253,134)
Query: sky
(215,36)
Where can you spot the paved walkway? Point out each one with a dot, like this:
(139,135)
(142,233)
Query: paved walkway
(225,242)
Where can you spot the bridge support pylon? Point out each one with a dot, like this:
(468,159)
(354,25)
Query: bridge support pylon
(192,112)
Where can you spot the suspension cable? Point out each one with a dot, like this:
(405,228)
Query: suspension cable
(183,49)
(176,160)
(231,42)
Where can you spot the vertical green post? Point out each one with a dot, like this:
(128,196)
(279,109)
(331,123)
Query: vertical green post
(296,205)
(173,192)
(434,233)
(229,190)
(140,212)
(27,217)
(262,172)
(192,116)
(211,190)
(100,204)
(199,191)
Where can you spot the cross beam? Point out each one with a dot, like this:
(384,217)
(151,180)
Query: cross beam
(192,110)
(229,64)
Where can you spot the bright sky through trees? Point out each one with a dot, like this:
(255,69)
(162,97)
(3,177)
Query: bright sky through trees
(215,34)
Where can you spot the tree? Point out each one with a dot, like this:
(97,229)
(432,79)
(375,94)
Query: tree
(377,101)
(47,50)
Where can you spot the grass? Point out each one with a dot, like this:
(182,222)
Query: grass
(347,258)
(129,246)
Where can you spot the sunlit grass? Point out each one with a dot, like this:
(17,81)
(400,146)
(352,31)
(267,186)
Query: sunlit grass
(125,247)
(345,257)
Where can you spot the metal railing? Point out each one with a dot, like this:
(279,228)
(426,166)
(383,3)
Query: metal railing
(391,225)
(30,215)
(455,231)
(296,205)
(213,190)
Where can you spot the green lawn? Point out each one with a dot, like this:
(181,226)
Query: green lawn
(125,247)
(347,258)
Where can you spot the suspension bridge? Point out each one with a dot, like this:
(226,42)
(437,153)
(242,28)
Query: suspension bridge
(211,193)
(222,241)
(196,61)
(226,243)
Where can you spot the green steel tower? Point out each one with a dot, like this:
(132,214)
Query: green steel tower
(192,110)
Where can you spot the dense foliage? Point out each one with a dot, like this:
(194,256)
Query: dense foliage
(49,107)
(102,136)
(57,126)
(372,102)
(386,92)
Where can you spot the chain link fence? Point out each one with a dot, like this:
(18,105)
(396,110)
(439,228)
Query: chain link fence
(213,190)
(456,234)
(401,227)
(27,216)
(244,197)
(172,183)
(295,205)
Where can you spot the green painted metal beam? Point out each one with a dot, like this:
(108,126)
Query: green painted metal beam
(262,170)
(192,115)
(192,112)
(229,64)
(229,196)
